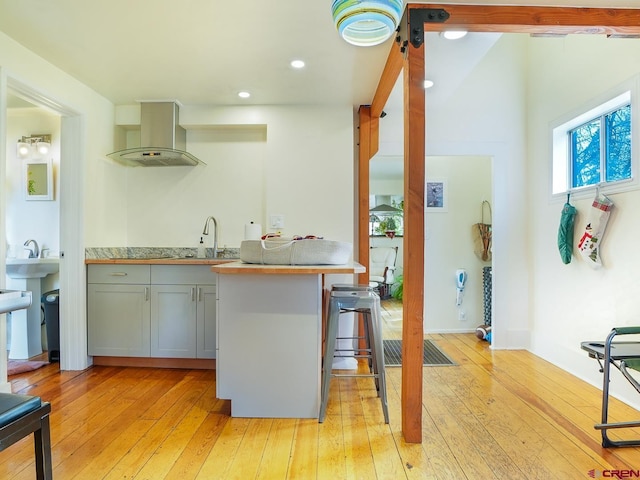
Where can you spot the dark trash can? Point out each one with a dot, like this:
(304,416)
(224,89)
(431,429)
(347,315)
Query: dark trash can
(51,305)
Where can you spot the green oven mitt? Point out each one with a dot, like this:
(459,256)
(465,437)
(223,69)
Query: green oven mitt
(565,232)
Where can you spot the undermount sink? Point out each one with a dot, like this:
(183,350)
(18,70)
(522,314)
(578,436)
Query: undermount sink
(31,267)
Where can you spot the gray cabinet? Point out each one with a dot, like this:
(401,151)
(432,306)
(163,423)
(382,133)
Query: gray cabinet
(175,312)
(183,312)
(118,310)
(206,322)
(173,321)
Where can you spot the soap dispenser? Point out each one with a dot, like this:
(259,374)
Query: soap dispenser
(201,250)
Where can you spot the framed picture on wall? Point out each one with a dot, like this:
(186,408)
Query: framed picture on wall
(38,180)
(436,195)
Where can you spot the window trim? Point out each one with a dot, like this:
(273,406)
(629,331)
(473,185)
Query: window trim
(560,174)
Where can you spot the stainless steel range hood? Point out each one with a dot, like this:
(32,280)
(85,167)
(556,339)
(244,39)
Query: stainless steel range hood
(163,142)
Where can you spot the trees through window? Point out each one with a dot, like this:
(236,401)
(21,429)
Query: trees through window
(601,149)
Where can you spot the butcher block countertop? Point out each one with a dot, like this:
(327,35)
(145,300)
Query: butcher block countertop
(238,267)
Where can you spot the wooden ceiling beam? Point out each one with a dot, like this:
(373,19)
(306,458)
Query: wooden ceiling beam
(530,19)
(388,79)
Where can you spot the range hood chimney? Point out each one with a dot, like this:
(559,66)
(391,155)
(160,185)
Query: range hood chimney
(163,141)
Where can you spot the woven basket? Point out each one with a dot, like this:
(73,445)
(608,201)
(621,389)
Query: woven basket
(282,251)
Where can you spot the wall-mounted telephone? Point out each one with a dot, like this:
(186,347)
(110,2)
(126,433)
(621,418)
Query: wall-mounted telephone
(461,279)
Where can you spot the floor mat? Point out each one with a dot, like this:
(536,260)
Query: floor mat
(20,366)
(432,355)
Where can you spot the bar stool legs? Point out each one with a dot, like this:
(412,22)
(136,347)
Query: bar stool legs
(363,337)
(367,303)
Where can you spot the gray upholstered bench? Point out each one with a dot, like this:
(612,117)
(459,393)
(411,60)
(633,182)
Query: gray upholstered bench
(22,415)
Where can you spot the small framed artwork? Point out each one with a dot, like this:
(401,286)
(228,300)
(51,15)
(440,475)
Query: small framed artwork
(436,193)
(38,180)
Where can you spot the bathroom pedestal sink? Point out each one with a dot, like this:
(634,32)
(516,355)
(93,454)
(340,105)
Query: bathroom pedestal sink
(31,267)
(26,331)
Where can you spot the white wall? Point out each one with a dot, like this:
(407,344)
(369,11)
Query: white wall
(573,302)
(301,168)
(485,116)
(449,244)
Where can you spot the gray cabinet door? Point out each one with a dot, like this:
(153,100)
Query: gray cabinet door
(118,320)
(206,322)
(173,321)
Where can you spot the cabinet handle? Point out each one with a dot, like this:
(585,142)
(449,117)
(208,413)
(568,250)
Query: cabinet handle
(193,294)
(199,294)
(146,294)
(118,274)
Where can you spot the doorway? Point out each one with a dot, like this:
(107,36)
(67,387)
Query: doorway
(466,182)
(32,220)
(70,238)
(386,235)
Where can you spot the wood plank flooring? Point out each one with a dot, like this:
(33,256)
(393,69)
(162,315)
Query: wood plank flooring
(497,415)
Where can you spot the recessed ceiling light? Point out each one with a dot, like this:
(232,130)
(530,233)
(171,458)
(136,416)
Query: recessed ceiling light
(428,84)
(454,34)
(297,63)
(244,94)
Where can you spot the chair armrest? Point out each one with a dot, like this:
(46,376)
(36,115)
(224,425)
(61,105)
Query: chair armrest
(388,272)
(627,330)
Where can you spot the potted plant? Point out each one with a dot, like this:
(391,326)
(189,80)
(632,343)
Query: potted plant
(397,287)
(389,227)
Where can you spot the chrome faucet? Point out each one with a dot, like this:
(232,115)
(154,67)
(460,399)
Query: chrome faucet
(33,252)
(215,234)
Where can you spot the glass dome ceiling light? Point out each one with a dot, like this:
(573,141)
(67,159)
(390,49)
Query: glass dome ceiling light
(366,23)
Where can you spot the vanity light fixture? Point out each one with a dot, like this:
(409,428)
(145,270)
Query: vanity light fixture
(23,150)
(35,145)
(366,23)
(43,147)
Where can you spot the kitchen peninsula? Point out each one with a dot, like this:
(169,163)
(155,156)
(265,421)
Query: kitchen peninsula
(270,336)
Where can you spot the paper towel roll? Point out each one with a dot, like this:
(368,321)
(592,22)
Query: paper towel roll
(252,231)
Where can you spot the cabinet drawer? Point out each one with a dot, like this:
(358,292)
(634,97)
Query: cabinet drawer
(182,275)
(120,274)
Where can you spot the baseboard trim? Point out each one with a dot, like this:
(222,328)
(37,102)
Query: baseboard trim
(190,363)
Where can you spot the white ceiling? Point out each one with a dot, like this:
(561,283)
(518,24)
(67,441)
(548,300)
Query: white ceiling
(204,51)
(199,51)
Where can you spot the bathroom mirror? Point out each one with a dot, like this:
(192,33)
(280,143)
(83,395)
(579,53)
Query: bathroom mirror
(38,180)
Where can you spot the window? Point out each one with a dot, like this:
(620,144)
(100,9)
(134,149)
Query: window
(594,148)
(600,150)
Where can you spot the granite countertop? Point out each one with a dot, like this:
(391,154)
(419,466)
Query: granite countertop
(157,256)
(158,261)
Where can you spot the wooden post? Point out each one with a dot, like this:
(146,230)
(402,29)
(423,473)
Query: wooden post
(413,268)
(364,157)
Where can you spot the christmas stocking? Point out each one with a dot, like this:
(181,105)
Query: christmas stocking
(589,244)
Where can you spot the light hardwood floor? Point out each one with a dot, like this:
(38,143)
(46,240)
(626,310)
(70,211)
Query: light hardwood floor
(503,414)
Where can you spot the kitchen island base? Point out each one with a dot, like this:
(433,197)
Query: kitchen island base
(269,331)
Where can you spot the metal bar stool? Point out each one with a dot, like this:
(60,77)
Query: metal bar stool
(367,303)
(363,350)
